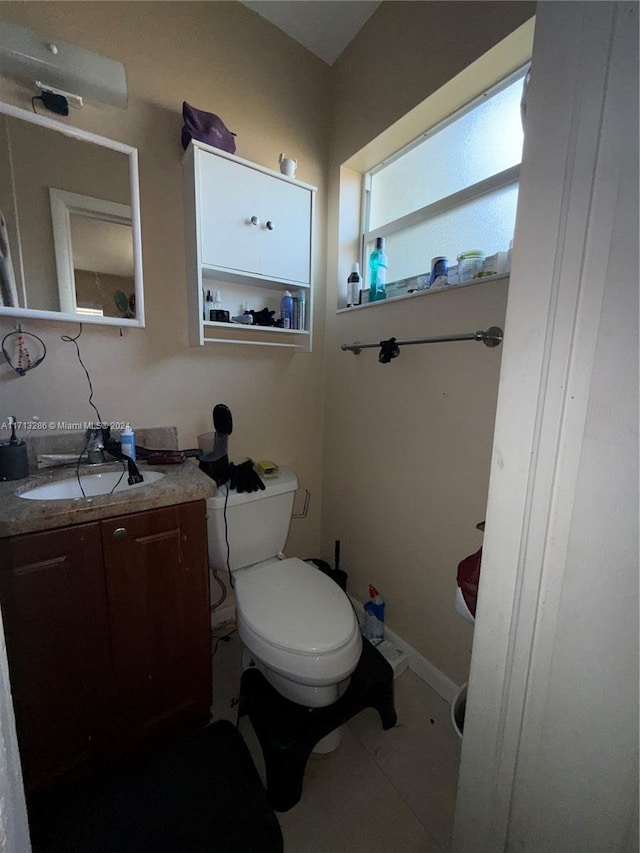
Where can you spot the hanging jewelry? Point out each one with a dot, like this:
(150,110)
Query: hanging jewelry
(25,362)
(24,359)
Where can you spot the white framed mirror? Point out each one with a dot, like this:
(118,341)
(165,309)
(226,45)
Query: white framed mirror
(70,246)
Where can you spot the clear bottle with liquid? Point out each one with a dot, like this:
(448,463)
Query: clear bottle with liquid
(378,272)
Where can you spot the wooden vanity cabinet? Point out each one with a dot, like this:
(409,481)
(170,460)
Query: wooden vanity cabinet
(107,634)
(56,626)
(158,602)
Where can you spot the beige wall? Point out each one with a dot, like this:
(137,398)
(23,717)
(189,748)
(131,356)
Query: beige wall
(274,95)
(408,444)
(404,458)
(406,51)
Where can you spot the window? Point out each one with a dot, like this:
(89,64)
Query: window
(452,190)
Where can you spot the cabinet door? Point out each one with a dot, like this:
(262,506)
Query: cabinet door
(55,620)
(157,586)
(230,195)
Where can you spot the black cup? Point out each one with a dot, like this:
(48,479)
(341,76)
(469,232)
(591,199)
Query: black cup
(14,464)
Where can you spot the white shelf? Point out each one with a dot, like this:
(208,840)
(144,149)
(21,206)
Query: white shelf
(249,327)
(487,279)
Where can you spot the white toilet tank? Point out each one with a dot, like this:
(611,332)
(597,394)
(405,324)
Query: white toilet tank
(257,523)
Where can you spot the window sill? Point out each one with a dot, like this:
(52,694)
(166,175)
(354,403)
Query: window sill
(418,293)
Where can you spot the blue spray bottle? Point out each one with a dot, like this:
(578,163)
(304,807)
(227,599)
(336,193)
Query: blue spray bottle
(373,627)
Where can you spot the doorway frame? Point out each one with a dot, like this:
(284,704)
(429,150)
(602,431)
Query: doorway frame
(573,167)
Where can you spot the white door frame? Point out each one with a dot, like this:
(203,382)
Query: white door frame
(14,827)
(570,177)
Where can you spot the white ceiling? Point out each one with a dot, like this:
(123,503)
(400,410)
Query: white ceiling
(325,27)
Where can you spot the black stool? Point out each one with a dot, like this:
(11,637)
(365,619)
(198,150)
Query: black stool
(287,732)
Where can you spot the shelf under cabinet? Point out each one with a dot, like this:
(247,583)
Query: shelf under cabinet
(249,327)
(247,332)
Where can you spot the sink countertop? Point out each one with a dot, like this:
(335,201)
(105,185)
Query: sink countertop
(181,483)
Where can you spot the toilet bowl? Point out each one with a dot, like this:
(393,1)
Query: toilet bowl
(300,626)
(297,625)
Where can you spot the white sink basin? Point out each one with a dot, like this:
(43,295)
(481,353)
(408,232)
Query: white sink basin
(93,486)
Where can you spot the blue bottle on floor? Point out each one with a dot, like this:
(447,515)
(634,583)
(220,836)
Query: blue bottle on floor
(373,627)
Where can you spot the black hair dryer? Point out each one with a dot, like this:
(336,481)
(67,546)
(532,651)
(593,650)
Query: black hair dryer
(216,463)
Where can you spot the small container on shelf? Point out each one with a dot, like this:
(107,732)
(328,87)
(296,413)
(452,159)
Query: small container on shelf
(439,270)
(354,286)
(470,263)
(302,310)
(286,310)
(495,264)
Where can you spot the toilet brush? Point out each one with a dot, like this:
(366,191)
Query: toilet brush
(339,576)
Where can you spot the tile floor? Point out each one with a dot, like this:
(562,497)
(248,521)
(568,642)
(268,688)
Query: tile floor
(379,791)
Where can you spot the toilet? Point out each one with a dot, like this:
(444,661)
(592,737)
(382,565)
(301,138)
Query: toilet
(298,627)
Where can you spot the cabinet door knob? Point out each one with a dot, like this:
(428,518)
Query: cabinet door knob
(119,532)
(270,225)
(254,221)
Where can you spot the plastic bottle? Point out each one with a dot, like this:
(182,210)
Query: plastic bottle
(208,305)
(354,285)
(247,316)
(286,310)
(217,303)
(373,627)
(302,309)
(378,272)
(128,442)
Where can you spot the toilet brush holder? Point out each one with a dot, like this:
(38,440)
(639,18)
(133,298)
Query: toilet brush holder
(14,464)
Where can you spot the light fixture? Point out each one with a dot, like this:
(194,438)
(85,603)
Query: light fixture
(60,69)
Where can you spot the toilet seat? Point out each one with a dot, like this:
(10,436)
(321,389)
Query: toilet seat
(297,621)
(293,606)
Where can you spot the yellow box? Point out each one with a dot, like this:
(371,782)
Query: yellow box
(267,469)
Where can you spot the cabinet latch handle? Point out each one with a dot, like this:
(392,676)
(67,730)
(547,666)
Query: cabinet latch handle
(270,225)
(119,532)
(254,221)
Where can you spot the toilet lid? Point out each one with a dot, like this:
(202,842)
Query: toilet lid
(293,606)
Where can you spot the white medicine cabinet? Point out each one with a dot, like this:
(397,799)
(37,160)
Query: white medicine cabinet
(249,238)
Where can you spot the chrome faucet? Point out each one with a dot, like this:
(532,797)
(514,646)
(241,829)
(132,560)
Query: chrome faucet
(95,446)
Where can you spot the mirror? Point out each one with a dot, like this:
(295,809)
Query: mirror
(69,223)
